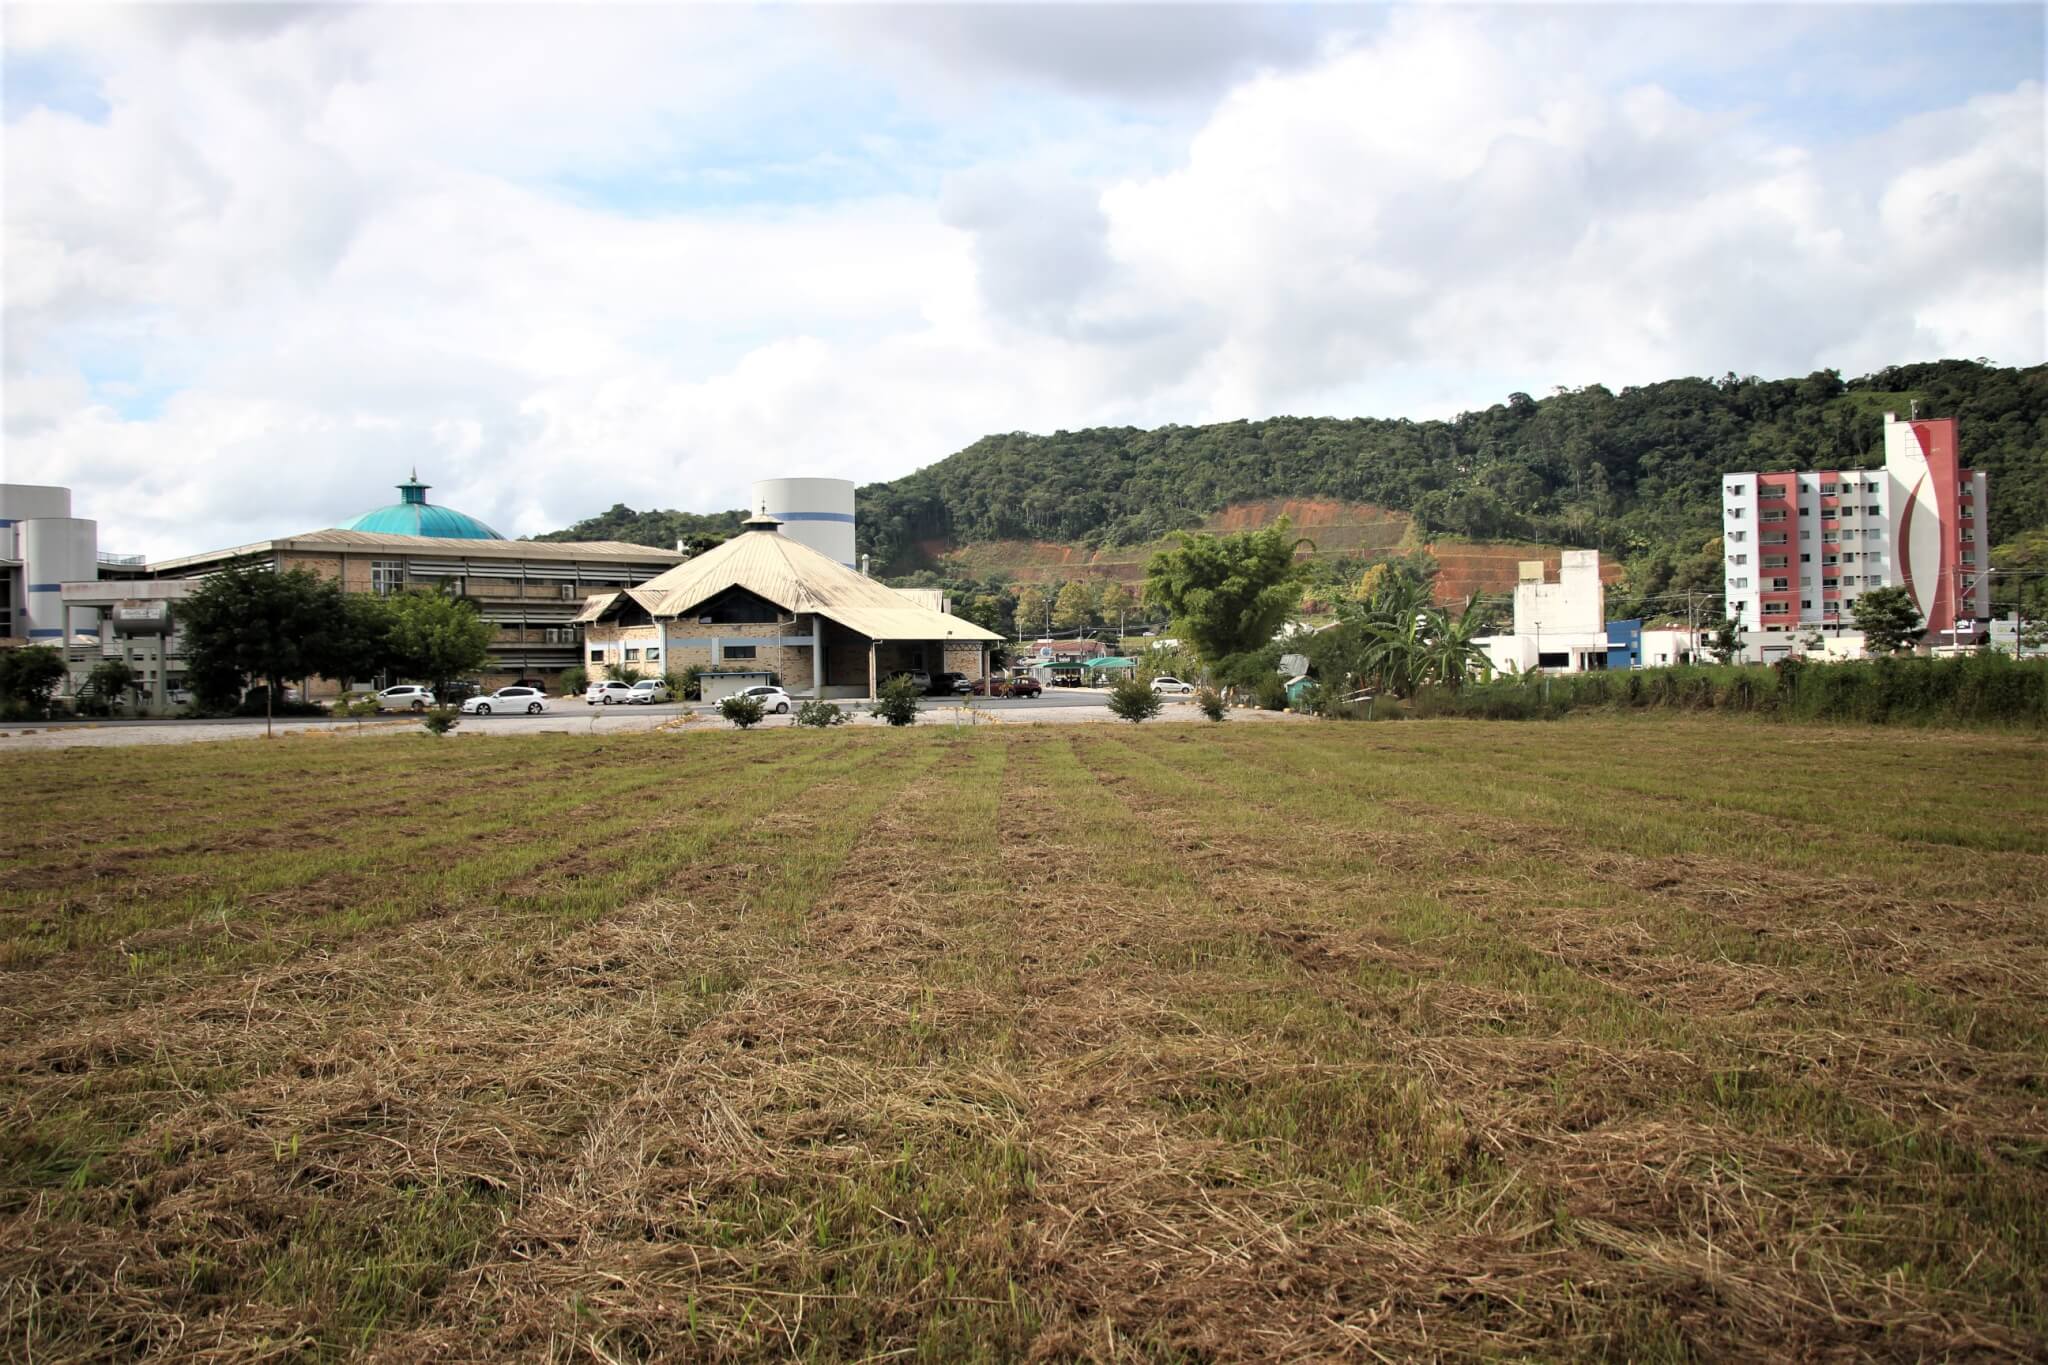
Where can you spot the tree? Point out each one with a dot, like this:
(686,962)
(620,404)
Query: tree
(1031,605)
(1134,701)
(896,701)
(1888,619)
(1228,595)
(1726,641)
(112,680)
(434,637)
(246,624)
(1452,653)
(1115,601)
(1075,607)
(29,678)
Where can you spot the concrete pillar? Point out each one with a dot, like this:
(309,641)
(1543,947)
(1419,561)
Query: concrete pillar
(874,692)
(817,658)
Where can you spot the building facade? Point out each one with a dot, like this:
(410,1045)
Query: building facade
(1800,547)
(766,603)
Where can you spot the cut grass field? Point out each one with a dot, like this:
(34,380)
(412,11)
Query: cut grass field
(1644,1038)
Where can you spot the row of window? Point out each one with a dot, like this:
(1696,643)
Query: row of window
(652,654)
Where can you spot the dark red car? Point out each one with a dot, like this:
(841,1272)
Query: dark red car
(1007,687)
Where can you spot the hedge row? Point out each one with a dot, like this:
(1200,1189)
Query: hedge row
(1976,689)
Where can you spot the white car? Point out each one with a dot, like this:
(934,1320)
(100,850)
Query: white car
(1172,686)
(607,692)
(648,691)
(407,697)
(531,700)
(771,698)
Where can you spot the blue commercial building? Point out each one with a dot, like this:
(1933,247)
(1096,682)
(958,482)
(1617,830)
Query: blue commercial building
(1624,644)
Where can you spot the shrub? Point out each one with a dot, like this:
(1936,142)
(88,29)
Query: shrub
(820,715)
(439,720)
(896,701)
(1311,700)
(742,711)
(626,673)
(1269,693)
(1211,702)
(1134,701)
(28,679)
(575,681)
(688,684)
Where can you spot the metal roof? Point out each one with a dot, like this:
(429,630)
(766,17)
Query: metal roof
(529,550)
(799,579)
(412,515)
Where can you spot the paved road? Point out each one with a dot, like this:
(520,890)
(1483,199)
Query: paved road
(571,715)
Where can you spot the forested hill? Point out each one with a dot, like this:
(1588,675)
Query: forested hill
(650,528)
(1631,473)
(1626,472)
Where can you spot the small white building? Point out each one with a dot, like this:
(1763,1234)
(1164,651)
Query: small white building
(1560,627)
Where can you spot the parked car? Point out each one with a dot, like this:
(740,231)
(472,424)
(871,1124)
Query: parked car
(456,693)
(1024,687)
(771,698)
(607,692)
(648,691)
(531,700)
(1172,686)
(405,697)
(919,679)
(1007,687)
(951,685)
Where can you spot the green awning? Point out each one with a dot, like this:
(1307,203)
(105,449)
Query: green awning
(1111,663)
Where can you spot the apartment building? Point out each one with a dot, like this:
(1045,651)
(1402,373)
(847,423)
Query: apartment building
(1800,546)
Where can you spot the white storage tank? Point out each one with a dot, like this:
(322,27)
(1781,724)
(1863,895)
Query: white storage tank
(21,502)
(815,512)
(56,551)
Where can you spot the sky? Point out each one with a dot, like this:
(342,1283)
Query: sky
(261,261)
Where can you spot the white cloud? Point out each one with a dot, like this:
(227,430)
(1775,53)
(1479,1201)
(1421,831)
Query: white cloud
(306,253)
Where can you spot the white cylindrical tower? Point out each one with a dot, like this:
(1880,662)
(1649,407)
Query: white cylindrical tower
(815,512)
(56,551)
(20,502)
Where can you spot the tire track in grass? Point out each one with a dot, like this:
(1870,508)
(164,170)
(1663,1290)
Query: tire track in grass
(637,1225)
(467,1054)
(1797,1137)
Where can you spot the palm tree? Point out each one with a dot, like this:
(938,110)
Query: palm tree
(1453,652)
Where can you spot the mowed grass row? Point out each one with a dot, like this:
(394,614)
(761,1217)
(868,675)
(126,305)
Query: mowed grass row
(1635,1038)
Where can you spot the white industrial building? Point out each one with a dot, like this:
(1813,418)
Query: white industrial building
(1559,626)
(43,547)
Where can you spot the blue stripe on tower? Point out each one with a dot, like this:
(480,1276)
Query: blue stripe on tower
(846,517)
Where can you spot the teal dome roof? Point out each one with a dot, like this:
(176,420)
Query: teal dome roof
(414,516)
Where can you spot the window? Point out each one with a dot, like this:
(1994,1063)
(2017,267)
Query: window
(632,655)
(597,656)
(1737,537)
(1738,559)
(1873,509)
(1774,561)
(1772,518)
(1830,559)
(1778,584)
(568,592)
(1776,609)
(732,652)
(1806,604)
(1737,513)
(653,656)
(1805,558)
(1806,535)
(1969,534)
(1830,584)
(1830,537)
(1738,583)
(1828,490)
(386,575)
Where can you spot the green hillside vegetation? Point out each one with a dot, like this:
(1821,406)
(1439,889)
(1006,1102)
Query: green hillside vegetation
(653,528)
(1632,474)
(1635,474)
